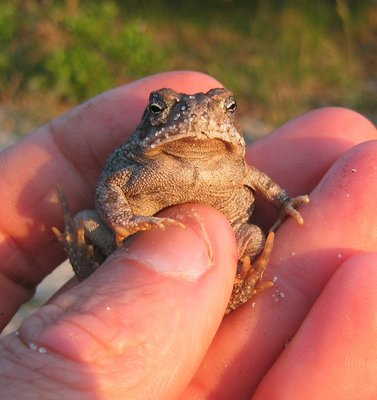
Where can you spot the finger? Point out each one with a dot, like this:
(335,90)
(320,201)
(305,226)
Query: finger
(69,152)
(338,221)
(333,355)
(140,325)
(299,153)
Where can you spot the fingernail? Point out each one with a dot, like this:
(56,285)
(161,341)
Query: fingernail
(182,253)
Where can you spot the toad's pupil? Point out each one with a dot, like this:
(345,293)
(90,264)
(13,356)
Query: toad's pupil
(232,106)
(155,108)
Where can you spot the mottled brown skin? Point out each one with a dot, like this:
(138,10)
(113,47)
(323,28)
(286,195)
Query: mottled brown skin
(187,148)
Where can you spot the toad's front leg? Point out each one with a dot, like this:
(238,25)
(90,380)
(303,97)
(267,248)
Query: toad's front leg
(272,192)
(116,211)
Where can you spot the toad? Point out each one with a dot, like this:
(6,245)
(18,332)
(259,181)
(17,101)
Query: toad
(186,149)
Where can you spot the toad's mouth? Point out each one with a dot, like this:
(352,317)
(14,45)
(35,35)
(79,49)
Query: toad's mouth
(193,131)
(192,137)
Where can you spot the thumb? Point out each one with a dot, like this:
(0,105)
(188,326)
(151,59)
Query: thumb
(140,326)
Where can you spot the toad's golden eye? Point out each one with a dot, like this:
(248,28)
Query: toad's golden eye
(157,105)
(230,104)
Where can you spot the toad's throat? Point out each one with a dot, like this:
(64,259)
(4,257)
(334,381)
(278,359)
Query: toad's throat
(194,148)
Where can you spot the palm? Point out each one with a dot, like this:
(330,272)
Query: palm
(320,266)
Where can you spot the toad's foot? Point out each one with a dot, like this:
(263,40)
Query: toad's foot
(289,208)
(249,281)
(143,223)
(81,253)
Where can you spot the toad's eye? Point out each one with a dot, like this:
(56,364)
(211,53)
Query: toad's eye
(157,106)
(230,104)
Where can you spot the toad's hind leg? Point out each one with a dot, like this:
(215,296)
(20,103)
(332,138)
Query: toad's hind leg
(250,280)
(80,237)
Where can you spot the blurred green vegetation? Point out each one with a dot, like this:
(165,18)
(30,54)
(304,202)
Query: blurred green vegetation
(280,58)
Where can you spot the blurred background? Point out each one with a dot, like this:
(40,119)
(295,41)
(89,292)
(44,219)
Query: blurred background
(280,57)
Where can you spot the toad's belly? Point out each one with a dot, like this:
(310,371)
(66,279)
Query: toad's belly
(217,182)
(236,203)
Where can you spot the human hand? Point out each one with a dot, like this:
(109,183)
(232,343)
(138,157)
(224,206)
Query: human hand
(149,323)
